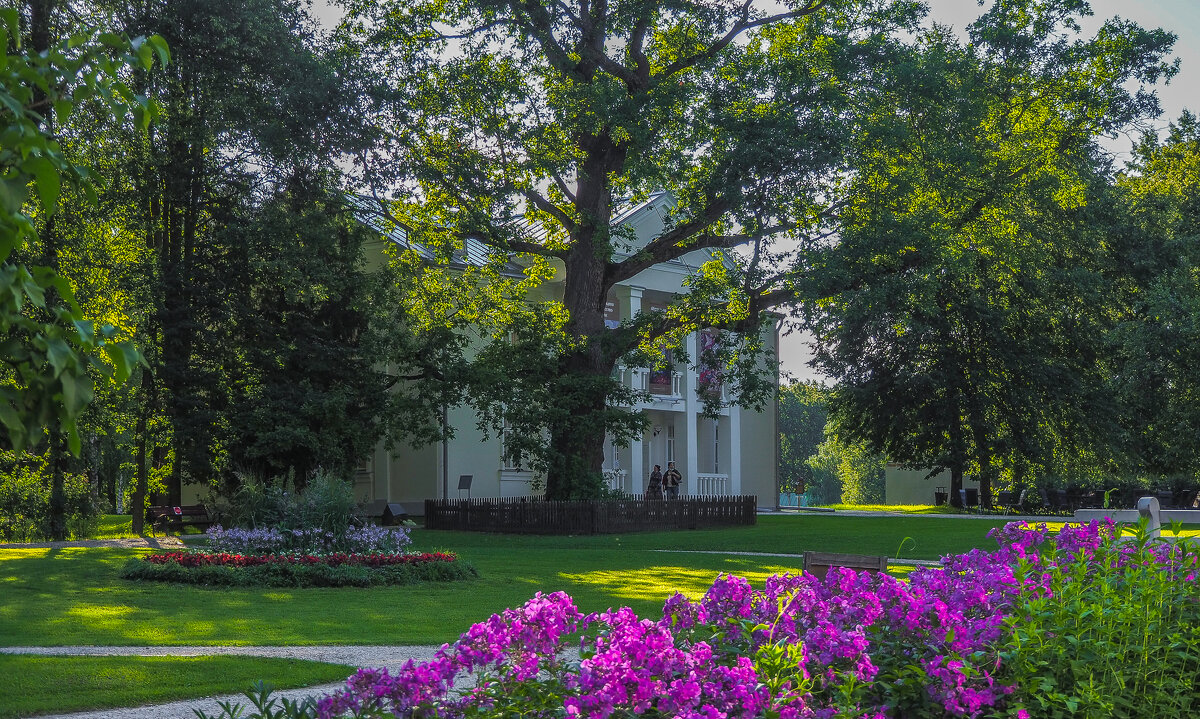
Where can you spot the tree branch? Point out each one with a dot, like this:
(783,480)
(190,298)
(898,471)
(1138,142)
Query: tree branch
(551,209)
(738,28)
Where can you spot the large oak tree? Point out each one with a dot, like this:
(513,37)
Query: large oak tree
(522,125)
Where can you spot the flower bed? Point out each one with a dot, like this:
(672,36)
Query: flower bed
(297,570)
(366,539)
(222,559)
(1085,626)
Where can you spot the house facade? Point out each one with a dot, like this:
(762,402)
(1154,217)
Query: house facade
(733,453)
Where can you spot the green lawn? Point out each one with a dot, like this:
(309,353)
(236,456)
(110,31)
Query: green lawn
(39,684)
(897,508)
(114,526)
(73,596)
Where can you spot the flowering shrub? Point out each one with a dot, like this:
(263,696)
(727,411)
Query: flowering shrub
(186,559)
(1081,625)
(367,539)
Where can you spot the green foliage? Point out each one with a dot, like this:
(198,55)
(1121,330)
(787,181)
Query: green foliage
(51,349)
(263,706)
(1106,641)
(25,488)
(741,115)
(324,502)
(299,575)
(305,390)
(971,338)
(846,473)
(802,419)
(1156,263)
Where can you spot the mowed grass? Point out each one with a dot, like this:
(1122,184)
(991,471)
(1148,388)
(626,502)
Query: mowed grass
(114,526)
(896,508)
(40,684)
(72,596)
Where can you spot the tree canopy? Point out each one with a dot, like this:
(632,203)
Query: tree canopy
(524,125)
(984,349)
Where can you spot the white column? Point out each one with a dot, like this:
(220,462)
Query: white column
(735,450)
(637,474)
(691,408)
(629,299)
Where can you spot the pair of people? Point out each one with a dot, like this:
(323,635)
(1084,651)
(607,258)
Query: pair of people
(661,483)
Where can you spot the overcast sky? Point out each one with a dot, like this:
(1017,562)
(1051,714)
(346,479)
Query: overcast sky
(1181,17)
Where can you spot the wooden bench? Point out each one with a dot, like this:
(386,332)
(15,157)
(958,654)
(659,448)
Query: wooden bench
(818,563)
(188,515)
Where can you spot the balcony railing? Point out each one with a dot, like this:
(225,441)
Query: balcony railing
(712,485)
(638,378)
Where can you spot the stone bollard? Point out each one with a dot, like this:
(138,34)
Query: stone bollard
(1147,508)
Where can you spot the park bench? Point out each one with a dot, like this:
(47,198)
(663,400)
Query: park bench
(188,515)
(818,563)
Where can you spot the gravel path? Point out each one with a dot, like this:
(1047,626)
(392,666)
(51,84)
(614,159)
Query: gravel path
(359,656)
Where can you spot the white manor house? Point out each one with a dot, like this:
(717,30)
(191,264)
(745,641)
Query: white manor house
(735,453)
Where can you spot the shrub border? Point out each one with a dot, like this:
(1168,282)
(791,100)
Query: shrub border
(302,571)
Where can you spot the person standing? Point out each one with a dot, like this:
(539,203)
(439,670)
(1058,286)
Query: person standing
(654,488)
(671,481)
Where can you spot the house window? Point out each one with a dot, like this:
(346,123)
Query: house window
(670,443)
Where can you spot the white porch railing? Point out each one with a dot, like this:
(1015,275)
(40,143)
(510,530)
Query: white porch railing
(709,485)
(616,479)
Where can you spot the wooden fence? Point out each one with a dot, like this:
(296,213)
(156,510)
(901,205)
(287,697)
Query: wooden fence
(534,515)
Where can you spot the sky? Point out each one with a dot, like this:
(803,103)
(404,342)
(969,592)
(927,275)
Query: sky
(1181,17)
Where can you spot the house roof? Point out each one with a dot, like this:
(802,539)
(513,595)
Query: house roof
(476,253)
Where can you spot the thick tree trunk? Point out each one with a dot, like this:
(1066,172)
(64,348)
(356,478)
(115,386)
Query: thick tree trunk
(58,494)
(577,442)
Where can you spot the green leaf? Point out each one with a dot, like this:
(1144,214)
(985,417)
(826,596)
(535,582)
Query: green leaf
(59,355)
(63,109)
(161,48)
(86,330)
(12,24)
(49,184)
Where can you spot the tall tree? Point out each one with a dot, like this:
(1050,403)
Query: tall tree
(523,125)
(803,414)
(1155,373)
(250,104)
(50,351)
(986,350)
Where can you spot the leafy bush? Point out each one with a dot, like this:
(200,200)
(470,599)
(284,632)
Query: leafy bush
(293,571)
(25,502)
(325,512)
(1083,626)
